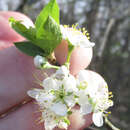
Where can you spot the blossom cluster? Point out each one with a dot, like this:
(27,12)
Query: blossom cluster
(62,91)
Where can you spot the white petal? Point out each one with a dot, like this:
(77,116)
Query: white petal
(83,75)
(62,125)
(45,99)
(70,101)
(86,108)
(70,84)
(49,84)
(62,72)
(34,93)
(83,98)
(97,119)
(59,108)
(49,125)
(63,31)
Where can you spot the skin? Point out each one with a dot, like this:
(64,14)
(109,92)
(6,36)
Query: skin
(16,78)
(80,57)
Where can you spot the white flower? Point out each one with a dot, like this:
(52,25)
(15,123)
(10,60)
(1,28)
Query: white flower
(39,60)
(75,37)
(59,108)
(96,95)
(61,91)
(98,119)
(96,86)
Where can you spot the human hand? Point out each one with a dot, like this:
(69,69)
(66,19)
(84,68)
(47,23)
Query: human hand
(16,78)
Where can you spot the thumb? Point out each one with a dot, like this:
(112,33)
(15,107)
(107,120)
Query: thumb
(80,58)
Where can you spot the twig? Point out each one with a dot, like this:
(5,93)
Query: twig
(105,38)
(110,124)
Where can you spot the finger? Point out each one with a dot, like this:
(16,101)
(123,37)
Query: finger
(6,32)
(78,122)
(15,69)
(80,58)
(25,119)
(16,77)
(22,119)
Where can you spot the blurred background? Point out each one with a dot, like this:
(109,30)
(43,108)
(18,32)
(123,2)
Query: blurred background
(108,22)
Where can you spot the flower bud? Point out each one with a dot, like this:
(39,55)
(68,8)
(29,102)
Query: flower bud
(39,61)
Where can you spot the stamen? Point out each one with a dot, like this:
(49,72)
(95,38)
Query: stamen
(107,113)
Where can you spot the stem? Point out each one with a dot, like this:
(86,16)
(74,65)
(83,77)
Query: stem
(54,67)
(70,49)
(110,124)
(49,66)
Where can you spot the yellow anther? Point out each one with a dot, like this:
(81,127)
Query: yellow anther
(73,26)
(88,38)
(106,115)
(87,34)
(110,93)
(83,29)
(66,26)
(80,29)
(111,96)
(109,112)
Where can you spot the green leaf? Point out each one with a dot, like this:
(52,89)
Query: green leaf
(47,34)
(29,34)
(29,48)
(52,36)
(51,9)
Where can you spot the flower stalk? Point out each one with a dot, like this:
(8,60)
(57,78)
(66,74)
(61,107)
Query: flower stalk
(110,124)
(49,66)
(70,49)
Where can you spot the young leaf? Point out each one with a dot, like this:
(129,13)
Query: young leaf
(29,48)
(51,36)
(29,34)
(51,9)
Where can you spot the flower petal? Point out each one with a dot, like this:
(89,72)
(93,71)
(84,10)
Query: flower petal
(49,84)
(97,119)
(70,84)
(86,109)
(59,108)
(34,93)
(62,73)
